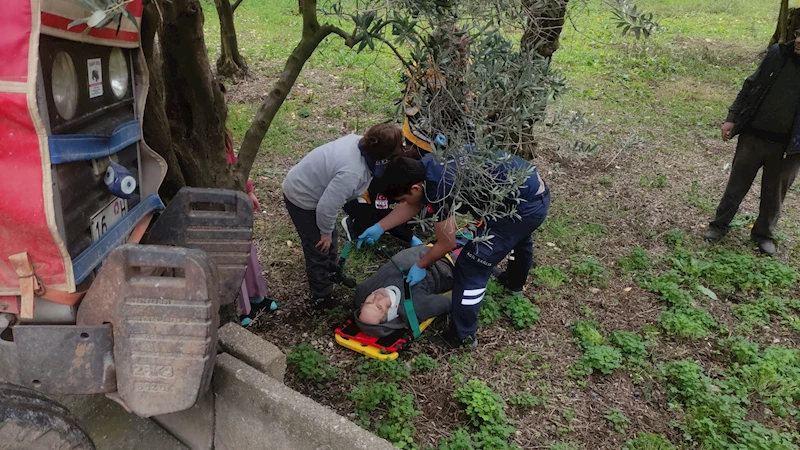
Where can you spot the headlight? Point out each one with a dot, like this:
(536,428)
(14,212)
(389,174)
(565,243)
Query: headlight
(118,73)
(65,86)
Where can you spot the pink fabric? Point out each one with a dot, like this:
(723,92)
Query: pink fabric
(231,157)
(229,154)
(244,299)
(23,224)
(253,284)
(254,277)
(15,21)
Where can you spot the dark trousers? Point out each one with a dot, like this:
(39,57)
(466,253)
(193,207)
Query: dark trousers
(320,266)
(476,261)
(753,153)
(365,215)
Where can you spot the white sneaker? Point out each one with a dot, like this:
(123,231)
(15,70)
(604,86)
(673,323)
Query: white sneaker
(346,225)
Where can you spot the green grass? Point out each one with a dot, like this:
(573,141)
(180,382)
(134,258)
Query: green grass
(643,73)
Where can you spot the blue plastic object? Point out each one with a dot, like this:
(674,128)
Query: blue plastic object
(119,180)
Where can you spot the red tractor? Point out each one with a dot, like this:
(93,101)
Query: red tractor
(103,290)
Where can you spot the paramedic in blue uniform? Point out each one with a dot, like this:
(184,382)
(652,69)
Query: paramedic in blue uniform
(429,185)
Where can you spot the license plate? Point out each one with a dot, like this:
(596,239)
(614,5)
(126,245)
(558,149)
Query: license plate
(103,220)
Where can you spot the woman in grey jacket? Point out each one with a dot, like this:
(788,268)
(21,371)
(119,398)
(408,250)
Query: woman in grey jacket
(320,184)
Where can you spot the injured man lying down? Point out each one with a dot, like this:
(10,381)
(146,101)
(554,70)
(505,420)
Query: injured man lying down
(381,295)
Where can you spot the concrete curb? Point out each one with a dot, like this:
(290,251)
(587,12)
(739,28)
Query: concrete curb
(258,353)
(251,405)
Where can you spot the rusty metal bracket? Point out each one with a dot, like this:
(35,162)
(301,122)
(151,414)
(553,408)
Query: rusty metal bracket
(162,304)
(66,359)
(217,221)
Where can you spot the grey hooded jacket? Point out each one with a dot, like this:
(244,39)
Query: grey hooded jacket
(426,295)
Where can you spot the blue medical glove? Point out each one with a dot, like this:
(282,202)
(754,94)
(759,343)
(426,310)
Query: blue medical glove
(370,235)
(415,241)
(440,140)
(415,275)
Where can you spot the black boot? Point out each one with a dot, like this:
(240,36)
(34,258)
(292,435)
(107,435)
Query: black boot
(502,278)
(713,234)
(449,339)
(338,276)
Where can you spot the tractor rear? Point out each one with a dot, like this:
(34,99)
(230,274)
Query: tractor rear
(103,290)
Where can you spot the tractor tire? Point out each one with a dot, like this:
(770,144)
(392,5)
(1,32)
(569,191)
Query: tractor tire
(31,421)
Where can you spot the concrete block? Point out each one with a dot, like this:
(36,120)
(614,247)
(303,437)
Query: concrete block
(257,412)
(253,350)
(194,427)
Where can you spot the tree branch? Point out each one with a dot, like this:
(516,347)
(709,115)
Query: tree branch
(313,35)
(236,5)
(350,40)
(396,52)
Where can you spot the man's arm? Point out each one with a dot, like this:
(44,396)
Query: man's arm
(402,213)
(445,242)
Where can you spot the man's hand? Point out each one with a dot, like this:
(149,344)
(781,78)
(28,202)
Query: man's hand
(254,199)
(370,235)
(415,275)
(324,242)
(727,131)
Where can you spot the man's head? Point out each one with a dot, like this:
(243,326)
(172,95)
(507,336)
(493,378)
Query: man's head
(381,141)
(404,179)
(378,304)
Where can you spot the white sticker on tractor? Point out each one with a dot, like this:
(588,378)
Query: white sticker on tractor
(95,78)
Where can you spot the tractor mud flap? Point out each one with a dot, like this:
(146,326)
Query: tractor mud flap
(162,304)
(217,221)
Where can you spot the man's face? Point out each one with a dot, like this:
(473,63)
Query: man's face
(376,307)
(797,42)
(413,197)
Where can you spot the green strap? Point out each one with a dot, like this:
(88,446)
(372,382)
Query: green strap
(411,315)
(346,249)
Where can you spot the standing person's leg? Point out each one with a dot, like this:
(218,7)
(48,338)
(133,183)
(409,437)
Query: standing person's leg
(516,274)
(470,277)
(334,271)
(779,174)
(746,162)
(317,262)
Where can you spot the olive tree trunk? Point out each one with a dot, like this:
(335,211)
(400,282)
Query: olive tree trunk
(543,25)
(230,62)
(185,114)
(788,22)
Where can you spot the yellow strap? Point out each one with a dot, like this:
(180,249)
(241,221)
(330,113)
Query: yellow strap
(446,256)
(408,134)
